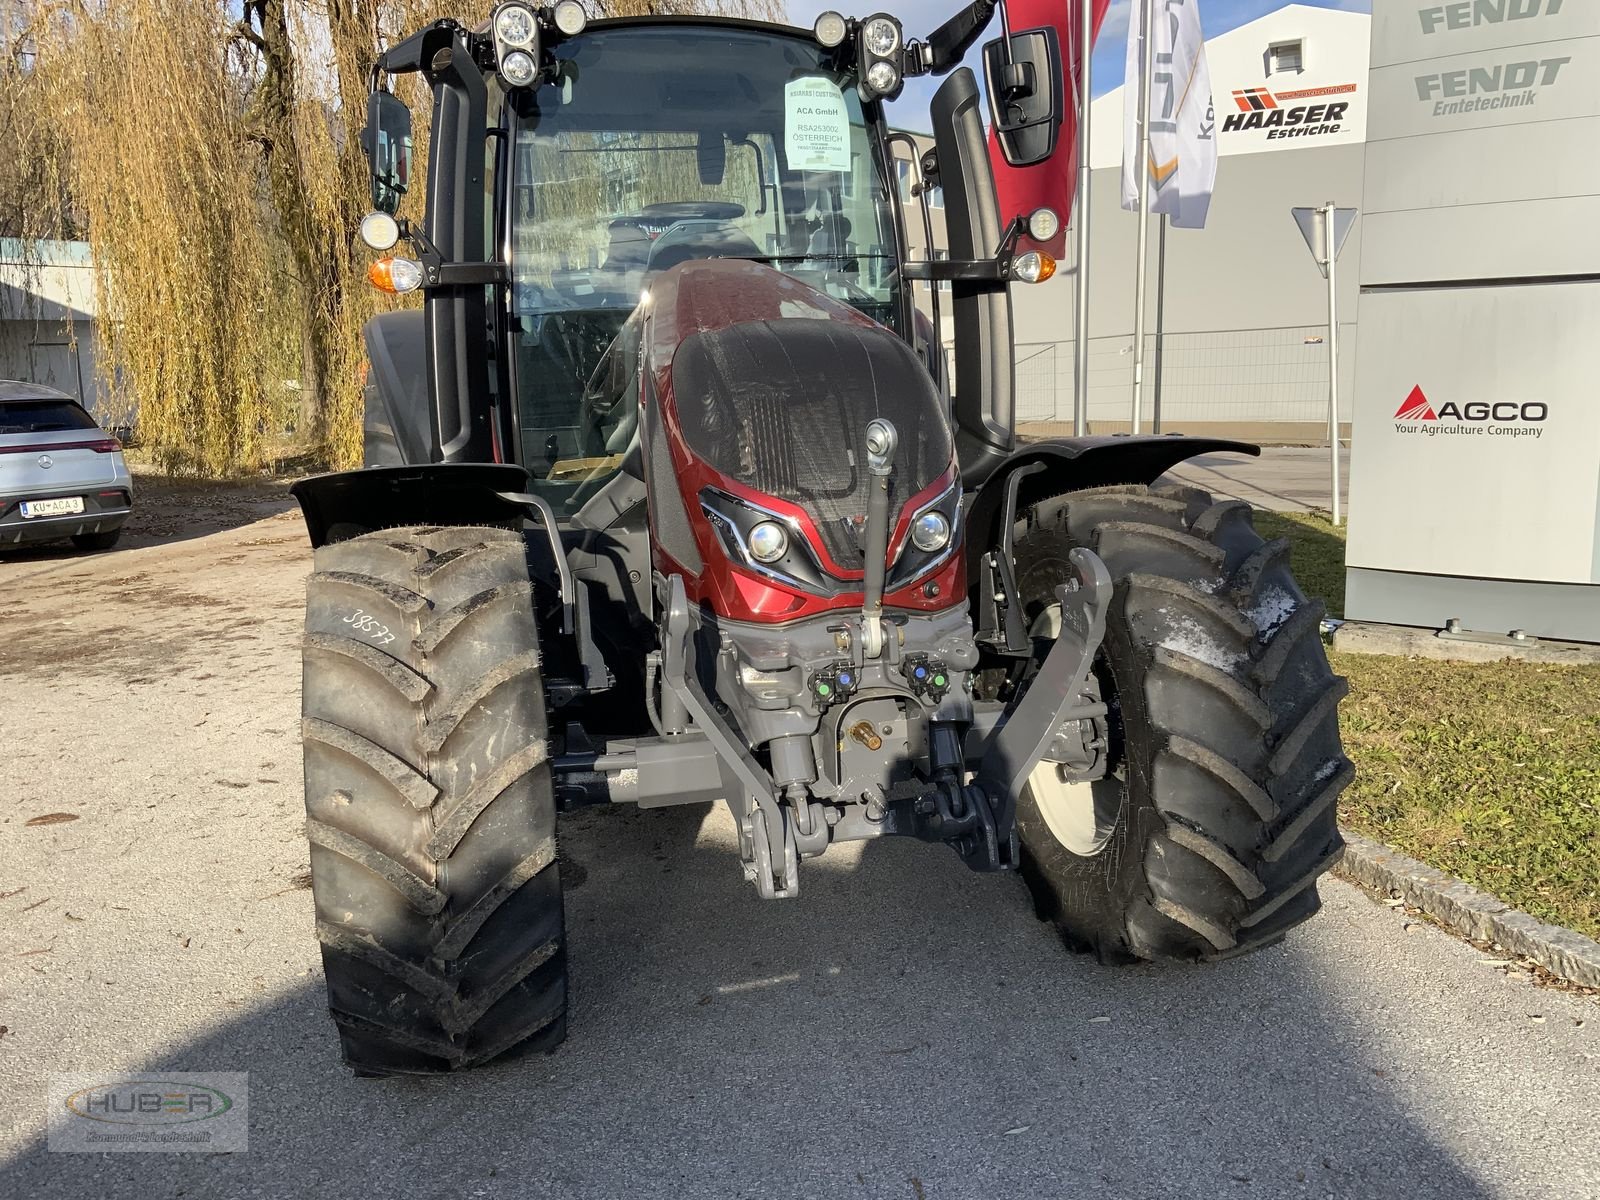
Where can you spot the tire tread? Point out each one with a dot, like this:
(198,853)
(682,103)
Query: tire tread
(431,974)
(1236,778)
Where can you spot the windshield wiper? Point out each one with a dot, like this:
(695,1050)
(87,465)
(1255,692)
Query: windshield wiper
(785,258)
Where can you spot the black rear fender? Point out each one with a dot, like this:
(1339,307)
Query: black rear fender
(1072,464)
(346,504)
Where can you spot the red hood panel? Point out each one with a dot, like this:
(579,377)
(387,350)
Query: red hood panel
(778,377)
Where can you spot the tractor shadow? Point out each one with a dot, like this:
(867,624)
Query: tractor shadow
(906,1028)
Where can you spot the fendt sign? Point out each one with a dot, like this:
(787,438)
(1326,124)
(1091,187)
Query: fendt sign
(1467,14)
(1507,83)
(1502,85)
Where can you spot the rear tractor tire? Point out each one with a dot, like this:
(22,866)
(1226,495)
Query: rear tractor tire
(428,801)
(1217,814)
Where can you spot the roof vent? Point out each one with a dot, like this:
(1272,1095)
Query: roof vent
(1286,58)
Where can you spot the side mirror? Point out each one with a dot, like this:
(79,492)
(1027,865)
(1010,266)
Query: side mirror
(387,141)
(1026,105)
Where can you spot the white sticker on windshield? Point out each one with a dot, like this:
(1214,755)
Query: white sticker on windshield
(816,127)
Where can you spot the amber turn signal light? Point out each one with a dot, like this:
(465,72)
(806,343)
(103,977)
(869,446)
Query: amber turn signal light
(1033,267)
(395,275)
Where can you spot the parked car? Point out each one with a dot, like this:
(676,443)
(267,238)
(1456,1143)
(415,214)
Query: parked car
(61,475)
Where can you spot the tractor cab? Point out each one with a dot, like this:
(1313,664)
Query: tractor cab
(653,146)
(615,150)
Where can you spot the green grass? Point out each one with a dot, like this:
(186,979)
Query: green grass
(1317,552)
(1489,771)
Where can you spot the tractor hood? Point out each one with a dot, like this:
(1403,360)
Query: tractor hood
(765,388)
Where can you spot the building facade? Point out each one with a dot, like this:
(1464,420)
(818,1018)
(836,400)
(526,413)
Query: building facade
(1236,312)
(47,305)
(1476,414)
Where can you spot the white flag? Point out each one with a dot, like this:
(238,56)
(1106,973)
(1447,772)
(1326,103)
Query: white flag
(1183,125)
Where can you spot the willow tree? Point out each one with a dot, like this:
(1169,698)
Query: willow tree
(221,196)
(306,110)
(162,180)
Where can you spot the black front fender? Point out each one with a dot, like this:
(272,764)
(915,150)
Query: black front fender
(1072,464)
(345,504)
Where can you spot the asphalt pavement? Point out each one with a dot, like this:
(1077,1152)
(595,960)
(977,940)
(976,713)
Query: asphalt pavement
(903,1028)
(1284,478)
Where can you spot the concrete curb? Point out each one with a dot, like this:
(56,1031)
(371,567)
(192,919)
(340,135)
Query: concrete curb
(1472,913)
(1365,637)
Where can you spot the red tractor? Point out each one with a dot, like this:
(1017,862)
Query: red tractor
(670,498)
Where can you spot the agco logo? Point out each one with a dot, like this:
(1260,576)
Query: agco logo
(1502,418)
(1260,108)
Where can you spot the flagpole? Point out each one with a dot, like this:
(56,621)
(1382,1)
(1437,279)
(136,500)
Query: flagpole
(1161,314)
(1080,394)
(1146,48)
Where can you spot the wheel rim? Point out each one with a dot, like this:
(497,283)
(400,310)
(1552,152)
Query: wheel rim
(1080,814)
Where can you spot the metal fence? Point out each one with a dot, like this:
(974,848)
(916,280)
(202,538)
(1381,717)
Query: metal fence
(1254,377)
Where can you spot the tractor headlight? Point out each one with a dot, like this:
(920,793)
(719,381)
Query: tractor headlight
(881,36)
(570,18)
(768,542)
(514,26)
(879,58)
(517,68)
(882,77)
(830,29)
(930,532)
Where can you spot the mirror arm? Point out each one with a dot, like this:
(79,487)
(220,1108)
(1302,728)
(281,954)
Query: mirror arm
(437,273)
(410,55)
(981,270)
(947,45)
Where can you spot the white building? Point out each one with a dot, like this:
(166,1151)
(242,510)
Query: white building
(47,305)
(1243,311)
(1476,413)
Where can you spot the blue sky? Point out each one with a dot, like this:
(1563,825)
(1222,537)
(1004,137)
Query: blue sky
(923,16)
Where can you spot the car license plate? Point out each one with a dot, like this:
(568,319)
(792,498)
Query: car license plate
(65,506)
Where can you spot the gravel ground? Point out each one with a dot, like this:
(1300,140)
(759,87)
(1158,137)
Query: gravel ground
(903,1029)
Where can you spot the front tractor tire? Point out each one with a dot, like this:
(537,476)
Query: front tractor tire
(428,801)
(1216,817)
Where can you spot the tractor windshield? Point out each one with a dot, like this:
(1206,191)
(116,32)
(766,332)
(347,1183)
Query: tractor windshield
(656,145)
